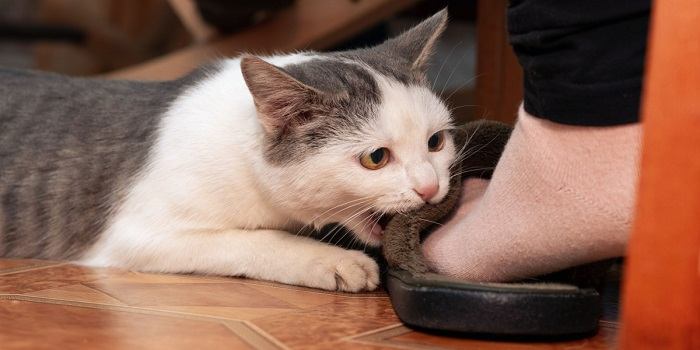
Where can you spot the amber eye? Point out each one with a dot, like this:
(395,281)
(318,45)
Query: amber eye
(376,159)
(436,141)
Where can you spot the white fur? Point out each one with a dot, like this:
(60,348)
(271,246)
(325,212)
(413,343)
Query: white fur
(208,201)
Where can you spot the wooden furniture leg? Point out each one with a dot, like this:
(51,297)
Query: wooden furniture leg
(661,303)
(499,84)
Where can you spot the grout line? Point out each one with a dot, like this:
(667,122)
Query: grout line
(277,285)
(380,337)
(117,308)
(374,331)
(255,336)
(399,345)
(30,268)
(100,291)
(266,334)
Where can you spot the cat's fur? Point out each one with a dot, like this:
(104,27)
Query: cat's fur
(215,172)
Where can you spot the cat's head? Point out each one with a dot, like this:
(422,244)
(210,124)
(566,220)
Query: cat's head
(352,136)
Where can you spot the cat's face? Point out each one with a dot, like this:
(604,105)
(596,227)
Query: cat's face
(357,135)
(394,162)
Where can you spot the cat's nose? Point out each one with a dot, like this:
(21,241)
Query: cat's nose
(428,191)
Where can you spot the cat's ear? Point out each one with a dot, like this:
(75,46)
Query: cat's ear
(281,100)
(418,43)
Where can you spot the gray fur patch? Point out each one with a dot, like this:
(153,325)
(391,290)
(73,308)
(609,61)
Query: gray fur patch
(68,146)
(350,97)
(391,66)
(404,58)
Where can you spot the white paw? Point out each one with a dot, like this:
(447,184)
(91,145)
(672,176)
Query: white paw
(343,270)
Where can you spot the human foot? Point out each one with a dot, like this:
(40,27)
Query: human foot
(560,196)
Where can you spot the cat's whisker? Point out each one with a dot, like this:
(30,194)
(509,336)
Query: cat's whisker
(345,206)
(347,220)
(478,168)
(352,230)
(432,222)
(452,73)
(470,170)
(482,146)
(421,219)
(470,152)
(374,222)
(349,230)
(361,199)
(460,156)
(437,77)
(452,109)
(462,86)
(372,219)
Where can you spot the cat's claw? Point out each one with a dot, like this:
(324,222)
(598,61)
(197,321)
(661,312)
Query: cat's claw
(349,271)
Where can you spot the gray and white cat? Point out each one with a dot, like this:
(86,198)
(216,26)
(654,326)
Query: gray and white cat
(214,173)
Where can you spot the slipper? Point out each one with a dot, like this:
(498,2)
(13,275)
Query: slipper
(542,309)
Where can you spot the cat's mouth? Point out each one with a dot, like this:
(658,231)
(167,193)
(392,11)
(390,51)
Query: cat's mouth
(373,235)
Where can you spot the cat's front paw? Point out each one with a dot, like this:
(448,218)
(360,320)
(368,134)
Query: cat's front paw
(345,270)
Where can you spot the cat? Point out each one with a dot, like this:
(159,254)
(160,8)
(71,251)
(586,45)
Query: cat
(218,171)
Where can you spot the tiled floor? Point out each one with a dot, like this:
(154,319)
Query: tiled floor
(48,305)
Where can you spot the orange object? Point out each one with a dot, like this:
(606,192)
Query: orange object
(661,304)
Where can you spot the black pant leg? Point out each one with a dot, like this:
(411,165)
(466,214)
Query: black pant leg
(583,60)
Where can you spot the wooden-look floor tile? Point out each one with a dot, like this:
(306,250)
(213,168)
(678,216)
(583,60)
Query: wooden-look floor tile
(76,292)
(14,265)
(142,277)
(329,323)
(300,297)
(224,312)
(50,277)
(68,306)
(345,345)
(32,325)
(405,338)
(187,294)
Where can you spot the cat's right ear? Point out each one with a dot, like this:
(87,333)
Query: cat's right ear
(281,100)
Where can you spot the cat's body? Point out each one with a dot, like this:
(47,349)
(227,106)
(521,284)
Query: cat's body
(215,172)
(68,146)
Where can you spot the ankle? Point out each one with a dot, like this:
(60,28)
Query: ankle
(569,149)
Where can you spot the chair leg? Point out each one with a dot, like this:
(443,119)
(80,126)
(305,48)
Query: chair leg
(499,83)
(661,302)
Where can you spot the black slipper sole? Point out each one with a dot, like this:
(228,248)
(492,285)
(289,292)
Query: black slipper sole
(435,302)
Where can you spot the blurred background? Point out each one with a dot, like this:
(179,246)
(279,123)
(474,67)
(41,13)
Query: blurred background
(162,39)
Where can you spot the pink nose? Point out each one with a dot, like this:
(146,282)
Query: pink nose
(427,192)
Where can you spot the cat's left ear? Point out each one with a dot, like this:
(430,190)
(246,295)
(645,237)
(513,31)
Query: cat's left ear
(281,100)
(418,43)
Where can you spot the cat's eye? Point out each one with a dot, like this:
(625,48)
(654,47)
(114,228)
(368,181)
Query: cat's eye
(375,160)
(436,141)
